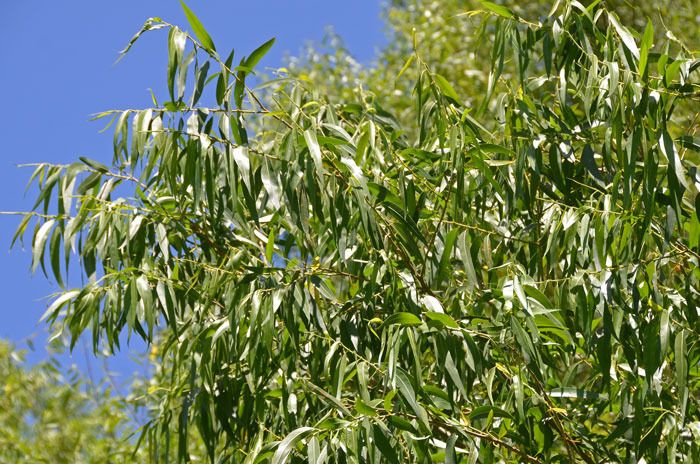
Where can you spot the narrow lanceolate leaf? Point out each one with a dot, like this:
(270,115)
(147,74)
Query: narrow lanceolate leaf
(364,409)
(680,352)
(94,164)
(433,304)
(385,447)
(444,319)
(483,412)
(675,165)
(269,179)
(690,142)
(523,340)
(240,155)
(287,445)
(405,319)
(624,34)
(589,162)
(255,449)
(450,453)
(58,303)
(403,70)
(144,291)
(447,89)
(55,252)
(257,54)
(647,42)
(198,28)
(404,385)
(21,228)
(40,243)
(176,48)
(315,151)
(270,247)
(498,9)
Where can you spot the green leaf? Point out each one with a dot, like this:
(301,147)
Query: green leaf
(524,341)
(403,382)
(672,71)
(591,166)
(465,253)
(40,243)
(176,48)
(238,91)
(402,424)
(498,9)
(450,454)
(143,287)
(403,69)
(680,352)
(200,83)
(254,451)
(333,423)
(443,318)
(446,255)
(675,164)
(183,71)
(198,28)
(447,89)
(270,247)
(94,165)
(148,26)
(222,80)
(363,409)
(547,53)
(55,252)
(315,151)
(454,375)
(328,398)
(432,304)
(482,412)
(258,53)
(52,311)
(19,233)
(287,445)
(690,142)
(242,159)
(541,298)
(647,42)
(624,34)
(384,445)
(403,319)
(522,298)
(174,106)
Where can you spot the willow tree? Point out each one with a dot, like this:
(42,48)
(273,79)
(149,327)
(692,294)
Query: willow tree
(509,279)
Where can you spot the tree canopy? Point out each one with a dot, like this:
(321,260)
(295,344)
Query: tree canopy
(56,416)
(486,253)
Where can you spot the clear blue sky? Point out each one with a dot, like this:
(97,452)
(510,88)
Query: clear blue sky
(57,70)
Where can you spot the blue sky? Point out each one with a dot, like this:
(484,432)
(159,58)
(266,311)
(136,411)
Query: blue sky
(57,60)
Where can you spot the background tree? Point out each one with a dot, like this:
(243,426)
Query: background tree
(455,45)
(508,275)
(48,415)
(53,413)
